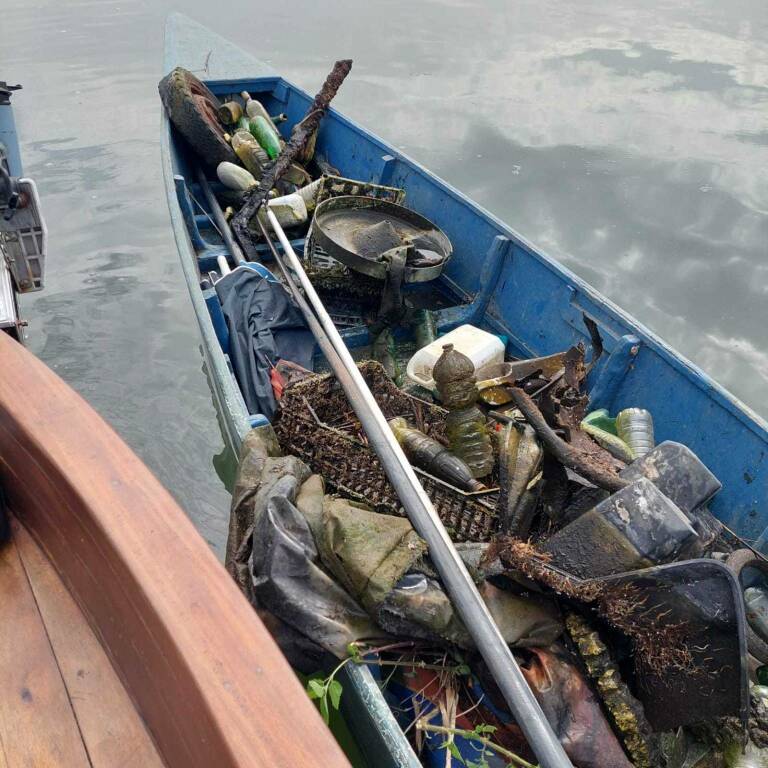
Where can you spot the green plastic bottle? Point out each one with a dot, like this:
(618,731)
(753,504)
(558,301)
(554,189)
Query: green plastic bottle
(424,328)
(266,136)
(465,425)
(433,457)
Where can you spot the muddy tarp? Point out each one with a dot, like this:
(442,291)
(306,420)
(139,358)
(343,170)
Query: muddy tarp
(264,327)
(335,571)
(288,578)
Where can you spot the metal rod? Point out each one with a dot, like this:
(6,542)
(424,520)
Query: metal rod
(459,584)
(218,217)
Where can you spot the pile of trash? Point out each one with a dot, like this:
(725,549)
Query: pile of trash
(621,595)
(600,563)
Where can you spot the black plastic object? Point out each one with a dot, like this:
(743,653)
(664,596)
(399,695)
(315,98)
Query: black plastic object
(678,473)
(264,327)
(633,527)
(359,231)
(704,599)
(6,91)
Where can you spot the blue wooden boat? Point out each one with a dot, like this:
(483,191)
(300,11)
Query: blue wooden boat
(496,279)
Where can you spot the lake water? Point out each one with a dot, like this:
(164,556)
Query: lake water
(630,140)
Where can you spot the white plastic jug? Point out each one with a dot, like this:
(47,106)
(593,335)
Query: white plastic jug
(481,347)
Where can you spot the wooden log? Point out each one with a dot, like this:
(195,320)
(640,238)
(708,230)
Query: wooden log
(298,141)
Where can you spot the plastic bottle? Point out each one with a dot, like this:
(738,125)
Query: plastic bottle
(465,425)
(424,328)
(250,153)
(254,108)
(235,177)
(261,125)
(635,428)
(266,135)
(230,113)
(433,457)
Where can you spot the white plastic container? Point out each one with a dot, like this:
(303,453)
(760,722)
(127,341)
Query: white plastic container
(481,347)
(290,210)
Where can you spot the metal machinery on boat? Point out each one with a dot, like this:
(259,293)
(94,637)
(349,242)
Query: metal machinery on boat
(23,234)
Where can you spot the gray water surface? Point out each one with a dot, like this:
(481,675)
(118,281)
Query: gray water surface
(630,140)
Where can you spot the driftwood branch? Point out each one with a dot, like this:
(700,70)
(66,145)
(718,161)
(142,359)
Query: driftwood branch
(566,454)
(295,146)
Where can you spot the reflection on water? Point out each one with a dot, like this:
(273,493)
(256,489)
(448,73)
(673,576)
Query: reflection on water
(627,139)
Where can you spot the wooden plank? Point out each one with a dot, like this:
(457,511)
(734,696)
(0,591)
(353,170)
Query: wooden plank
(206,677)
(37,725)
(112,730)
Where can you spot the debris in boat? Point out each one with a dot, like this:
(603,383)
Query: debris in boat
(624,710)
(574,711)
(301,136)
(384,351)
(194,112)
(520,458)
(264,327)
(433,457)
(235,177)
(250,153)
(577,514)
(315,412)
(230,113)
(635,527)
(423,328)
(602,428)
(484,349)
(465,425)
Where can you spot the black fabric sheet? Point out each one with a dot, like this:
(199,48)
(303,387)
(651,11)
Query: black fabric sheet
(264,327)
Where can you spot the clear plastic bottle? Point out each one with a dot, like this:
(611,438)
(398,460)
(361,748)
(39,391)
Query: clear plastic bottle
(635,428)
(433,457)
(254,108)
(465,425)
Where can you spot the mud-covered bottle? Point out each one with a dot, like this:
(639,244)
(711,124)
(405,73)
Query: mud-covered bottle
(465,425)
(250,153)
(384,350)
(234,177)
(230,113)
(433,457)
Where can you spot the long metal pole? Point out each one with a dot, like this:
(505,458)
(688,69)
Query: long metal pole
(454,575)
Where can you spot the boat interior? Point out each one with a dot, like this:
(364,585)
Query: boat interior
(498,281)
(63,702)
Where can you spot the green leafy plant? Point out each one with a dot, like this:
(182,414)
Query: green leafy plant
(478,735)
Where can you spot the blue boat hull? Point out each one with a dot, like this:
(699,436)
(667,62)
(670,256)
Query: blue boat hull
(499,280)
